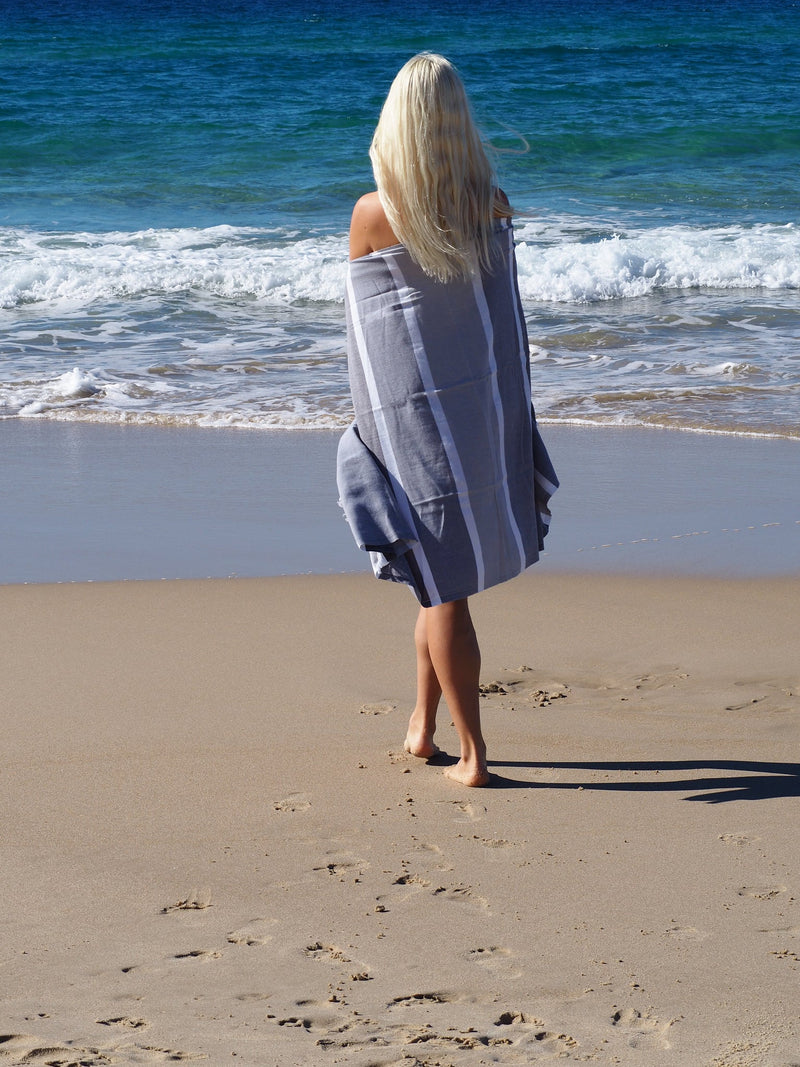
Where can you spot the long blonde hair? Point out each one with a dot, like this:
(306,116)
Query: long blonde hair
(434,179)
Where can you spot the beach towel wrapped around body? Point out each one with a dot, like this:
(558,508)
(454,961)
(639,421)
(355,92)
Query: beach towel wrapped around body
(443,476)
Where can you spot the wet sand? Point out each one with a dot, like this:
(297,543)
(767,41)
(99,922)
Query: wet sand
(96,502)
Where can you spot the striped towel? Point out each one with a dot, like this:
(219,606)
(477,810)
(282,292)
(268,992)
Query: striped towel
(443,476)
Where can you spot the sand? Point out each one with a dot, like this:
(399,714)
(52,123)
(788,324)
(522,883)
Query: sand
(214,848)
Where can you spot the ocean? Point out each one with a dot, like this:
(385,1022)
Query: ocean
(177,176)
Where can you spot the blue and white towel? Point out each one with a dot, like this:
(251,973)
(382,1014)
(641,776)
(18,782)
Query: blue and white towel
(443,476)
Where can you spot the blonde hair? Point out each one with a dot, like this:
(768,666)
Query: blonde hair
(434,179)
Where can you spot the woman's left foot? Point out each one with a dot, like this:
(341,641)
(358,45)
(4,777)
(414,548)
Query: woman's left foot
(420,748)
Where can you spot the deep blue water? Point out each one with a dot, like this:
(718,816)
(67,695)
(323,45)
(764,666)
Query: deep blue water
(195,113)
(176,181)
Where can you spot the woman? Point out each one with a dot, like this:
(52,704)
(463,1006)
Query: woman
(443,477)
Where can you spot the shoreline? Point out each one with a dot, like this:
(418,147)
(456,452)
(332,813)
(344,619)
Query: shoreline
(701,431)
(92,502)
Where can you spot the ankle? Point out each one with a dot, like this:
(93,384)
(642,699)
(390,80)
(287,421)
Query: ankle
(422,720)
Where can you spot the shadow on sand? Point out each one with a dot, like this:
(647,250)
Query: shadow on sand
(739,780)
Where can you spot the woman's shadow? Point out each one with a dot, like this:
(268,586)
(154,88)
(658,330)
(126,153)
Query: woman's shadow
(739,780)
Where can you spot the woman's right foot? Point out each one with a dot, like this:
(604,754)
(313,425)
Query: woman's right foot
(465,774)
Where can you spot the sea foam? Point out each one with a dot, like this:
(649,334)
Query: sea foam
(271,267)
(223,262)
(229,326)
(668,258)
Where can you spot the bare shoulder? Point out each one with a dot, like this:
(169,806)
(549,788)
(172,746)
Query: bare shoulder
(369,228)
(369,204)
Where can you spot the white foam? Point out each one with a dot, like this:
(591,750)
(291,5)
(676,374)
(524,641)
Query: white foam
(668,258)
(76,383)
(557,262)
(726,369)
(244,327)
(81,268)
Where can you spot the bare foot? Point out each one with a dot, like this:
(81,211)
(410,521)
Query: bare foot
(465,774)
(419,736)
(420,747)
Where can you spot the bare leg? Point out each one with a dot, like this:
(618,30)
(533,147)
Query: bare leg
(456,662)
(422,725)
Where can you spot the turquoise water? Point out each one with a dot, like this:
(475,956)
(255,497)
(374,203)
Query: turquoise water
(176,183)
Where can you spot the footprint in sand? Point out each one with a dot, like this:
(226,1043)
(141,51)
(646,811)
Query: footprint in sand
(415,883)
(686,933)
(737,839)
(492,687)
(432,853)
(520,1030)
(153,1054)
(10,1044)
(495,842)
(313,1022)
(435,997)
(193,901)
(362,1034)
(377,709)
(256,932)
(410,885)
(344,865)
(424,846)
(462,894)
(294,802)
(355,1033)
(333,954)
(198,954)
(412,879)
(466,810)
(543,698)
(496,959)
(124,1022)
(762,892)
(330,953)
(27,1049)
(643,1030)
(169,1055)
(661,677)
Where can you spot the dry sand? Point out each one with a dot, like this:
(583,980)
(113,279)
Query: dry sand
(214,848)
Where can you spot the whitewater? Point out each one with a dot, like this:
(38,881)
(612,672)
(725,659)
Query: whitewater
(176,186)
(242,326)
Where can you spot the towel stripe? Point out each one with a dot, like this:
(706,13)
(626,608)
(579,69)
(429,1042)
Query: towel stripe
(488,329)
(443,426)
(389,457)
